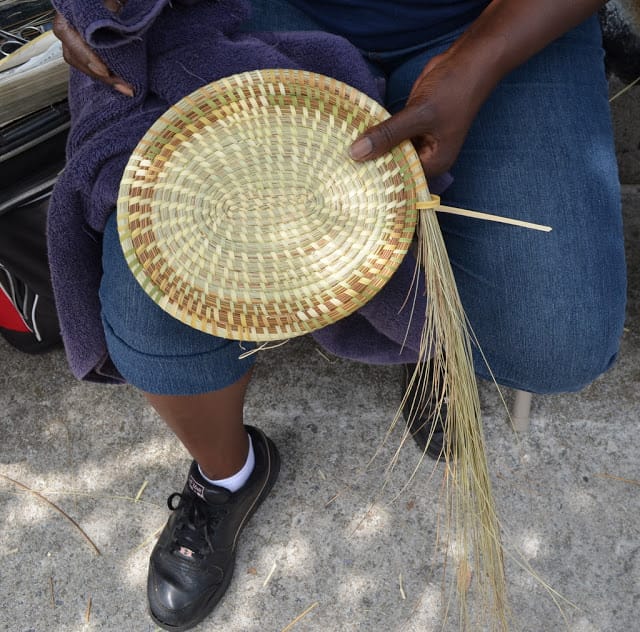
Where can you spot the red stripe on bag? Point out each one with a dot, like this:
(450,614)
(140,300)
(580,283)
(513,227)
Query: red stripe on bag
(10,317)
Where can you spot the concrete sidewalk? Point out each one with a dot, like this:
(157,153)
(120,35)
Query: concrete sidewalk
(327,539)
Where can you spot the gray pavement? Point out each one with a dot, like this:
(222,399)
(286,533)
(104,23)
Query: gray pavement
(328,541)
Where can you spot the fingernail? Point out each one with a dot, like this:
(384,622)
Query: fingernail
(361,148)
(98,69)
(123,89)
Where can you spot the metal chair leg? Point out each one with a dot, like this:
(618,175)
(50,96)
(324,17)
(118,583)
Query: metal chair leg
(521,410)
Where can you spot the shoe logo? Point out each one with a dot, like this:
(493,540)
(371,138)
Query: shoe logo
(183,550)
(195,487)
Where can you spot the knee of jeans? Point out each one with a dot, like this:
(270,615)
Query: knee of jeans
(547,360)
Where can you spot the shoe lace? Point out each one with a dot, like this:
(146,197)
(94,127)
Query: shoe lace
(195,525)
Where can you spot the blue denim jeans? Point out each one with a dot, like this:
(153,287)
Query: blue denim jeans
(546,308)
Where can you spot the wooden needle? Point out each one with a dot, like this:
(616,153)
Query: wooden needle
(434,204)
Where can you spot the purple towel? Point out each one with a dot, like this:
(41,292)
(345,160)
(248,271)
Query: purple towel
(167,51)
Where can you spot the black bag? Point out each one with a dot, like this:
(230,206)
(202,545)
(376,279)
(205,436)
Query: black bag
(32,153)
(31,156)
(28,318)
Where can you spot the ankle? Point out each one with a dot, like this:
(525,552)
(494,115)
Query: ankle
(234,482)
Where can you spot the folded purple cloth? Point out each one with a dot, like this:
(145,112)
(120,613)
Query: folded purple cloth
(165,51)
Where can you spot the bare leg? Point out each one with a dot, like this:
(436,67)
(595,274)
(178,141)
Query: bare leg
(210,426)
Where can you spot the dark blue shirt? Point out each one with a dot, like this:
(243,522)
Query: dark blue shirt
(382,25)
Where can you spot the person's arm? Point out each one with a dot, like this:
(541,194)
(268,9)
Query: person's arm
(453,86)
(80,55)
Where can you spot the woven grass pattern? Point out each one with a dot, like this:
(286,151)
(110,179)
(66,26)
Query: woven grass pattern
(241,214)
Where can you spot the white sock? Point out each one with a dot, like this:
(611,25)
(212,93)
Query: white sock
(236,481)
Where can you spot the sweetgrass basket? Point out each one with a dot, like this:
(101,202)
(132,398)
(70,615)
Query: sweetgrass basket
(242,215)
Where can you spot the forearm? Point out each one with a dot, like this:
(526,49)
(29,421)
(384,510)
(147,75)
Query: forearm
(509,32)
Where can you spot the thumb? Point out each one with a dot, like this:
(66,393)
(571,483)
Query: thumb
(383,137)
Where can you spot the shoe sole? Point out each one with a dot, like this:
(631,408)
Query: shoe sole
(269,482)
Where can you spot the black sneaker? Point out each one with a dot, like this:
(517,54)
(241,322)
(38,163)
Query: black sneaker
(192,563)
(425,422)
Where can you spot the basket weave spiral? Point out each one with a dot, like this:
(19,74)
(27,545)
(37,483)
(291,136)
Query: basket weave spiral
(241,214)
